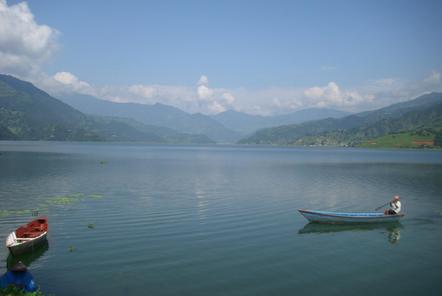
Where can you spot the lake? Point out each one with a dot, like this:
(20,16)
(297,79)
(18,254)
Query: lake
(131,219)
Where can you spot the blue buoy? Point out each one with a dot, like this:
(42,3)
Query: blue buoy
(20,277)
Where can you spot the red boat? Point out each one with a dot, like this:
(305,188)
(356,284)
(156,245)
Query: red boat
(27,237)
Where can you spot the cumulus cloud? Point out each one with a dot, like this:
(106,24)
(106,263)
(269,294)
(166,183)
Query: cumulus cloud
(333,95)
(143,90)
(203,80)
(24,44)
(73,83)
(213,100)
(204,92)
(369,95)
(62,83)
(197,99)
(202,98)
(434,77)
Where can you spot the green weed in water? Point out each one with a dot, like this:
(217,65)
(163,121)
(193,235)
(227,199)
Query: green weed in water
(95,196)
(61,200)
(11,213)
(64,200)
(71,249)
(14,291)
(91,226)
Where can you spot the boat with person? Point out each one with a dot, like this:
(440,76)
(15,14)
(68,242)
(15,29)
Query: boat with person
(349,217)
(27,237)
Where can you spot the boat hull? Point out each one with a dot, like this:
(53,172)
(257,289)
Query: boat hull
(18,248)
(347,218)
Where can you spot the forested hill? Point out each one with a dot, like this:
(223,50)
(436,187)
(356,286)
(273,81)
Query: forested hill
(28,113)
(421,116)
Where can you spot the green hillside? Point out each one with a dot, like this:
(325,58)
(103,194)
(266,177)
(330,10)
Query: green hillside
(417,139)
(419,116)
(28,113)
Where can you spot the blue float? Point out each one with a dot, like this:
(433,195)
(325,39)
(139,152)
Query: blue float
(19,277)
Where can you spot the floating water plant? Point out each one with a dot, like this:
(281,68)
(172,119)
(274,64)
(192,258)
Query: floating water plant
(10,213)
(72,198)
(91,226)
(64,200)
(72,249)
(61,200)
(95,196)
(103,162)
(14,291)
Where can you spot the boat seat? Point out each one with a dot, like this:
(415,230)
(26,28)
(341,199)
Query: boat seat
(30,234)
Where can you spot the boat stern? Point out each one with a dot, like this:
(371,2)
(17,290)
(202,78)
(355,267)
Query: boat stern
(11,240)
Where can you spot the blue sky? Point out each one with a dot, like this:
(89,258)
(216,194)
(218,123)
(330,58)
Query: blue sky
(260,52)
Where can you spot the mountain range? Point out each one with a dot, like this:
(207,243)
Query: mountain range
(226,127)
(421,115)
(247,123)
(156,115)
(28,113)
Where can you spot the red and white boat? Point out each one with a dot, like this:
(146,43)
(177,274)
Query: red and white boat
(27,237)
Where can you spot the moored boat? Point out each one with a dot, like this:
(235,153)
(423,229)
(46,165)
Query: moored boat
(348,217)
(27,237)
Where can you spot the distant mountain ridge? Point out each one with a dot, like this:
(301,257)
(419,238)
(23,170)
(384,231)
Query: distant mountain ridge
(225,127)
(28,113)
(157,115)
(424,112)
(247,123)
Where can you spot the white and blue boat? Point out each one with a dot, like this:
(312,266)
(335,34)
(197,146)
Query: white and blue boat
(348,217)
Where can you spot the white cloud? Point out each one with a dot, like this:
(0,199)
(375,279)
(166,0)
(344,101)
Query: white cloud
(212,100)
(24,44)
(314,92)
(68,82)
(215,107)
(203,80)
(434,77)
(331,95)
(143,91)
(229,97)
(204,92)
(201,98)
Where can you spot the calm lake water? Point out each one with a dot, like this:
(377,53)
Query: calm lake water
(128,219)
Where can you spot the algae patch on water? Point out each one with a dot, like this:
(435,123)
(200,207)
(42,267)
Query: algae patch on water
(11,213)
(95,196)
(69,199)
(59,200)
(63,200)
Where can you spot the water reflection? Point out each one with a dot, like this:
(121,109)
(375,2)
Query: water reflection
(27,258)
(392,229)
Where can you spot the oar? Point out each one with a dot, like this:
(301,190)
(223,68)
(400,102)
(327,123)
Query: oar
(378,208)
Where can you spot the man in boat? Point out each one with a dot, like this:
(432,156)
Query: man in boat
(395,206)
